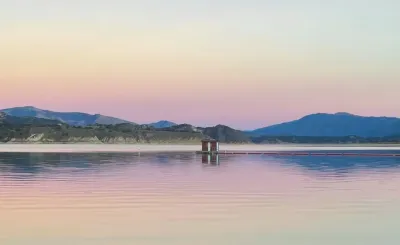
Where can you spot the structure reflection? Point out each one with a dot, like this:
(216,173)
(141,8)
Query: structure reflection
(210,159)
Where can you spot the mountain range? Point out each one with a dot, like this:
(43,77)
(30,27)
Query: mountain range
(42,130)
(71,118)
(337,126)
(75,118)
(334,125)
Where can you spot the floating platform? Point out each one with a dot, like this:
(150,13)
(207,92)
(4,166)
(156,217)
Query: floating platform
(301,153)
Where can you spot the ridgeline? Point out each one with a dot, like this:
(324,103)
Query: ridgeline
(337,128)
(38,130)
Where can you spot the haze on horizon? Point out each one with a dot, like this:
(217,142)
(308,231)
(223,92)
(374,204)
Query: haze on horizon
(246,64)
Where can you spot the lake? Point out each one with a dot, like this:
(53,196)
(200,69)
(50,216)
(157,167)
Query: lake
(153,198)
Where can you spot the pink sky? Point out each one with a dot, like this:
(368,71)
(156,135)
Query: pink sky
(254,66)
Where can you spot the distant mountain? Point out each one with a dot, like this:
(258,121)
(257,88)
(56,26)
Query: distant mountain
(317,140)
(225,134)
(18,121)
(71,118)
(162,124)
(338,124)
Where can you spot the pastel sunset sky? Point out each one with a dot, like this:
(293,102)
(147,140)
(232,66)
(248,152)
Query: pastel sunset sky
(243,63)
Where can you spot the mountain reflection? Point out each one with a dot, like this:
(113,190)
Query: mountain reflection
(31,164)
(35,163)
(338,164)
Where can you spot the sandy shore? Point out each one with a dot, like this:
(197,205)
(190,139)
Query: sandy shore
(180,148)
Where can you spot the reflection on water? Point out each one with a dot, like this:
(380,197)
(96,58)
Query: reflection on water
(171,198)
(210,159)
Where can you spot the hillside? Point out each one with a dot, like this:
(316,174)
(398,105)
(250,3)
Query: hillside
(71,118)
(39,130)
(12,120)
(225,134)
(183,128)
(339,124)
(109,134)
(162,124)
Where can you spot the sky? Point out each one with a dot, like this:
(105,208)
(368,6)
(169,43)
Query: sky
(242,63)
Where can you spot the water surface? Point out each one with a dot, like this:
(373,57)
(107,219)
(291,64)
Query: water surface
(176,198)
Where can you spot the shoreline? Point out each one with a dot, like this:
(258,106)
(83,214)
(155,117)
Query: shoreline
(92,148)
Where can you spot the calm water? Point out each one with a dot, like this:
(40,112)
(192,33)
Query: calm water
(169,198)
